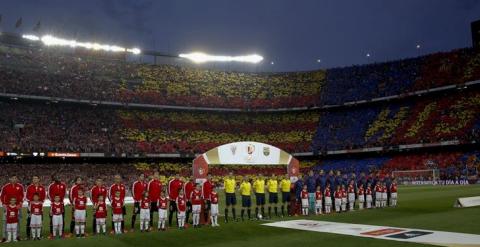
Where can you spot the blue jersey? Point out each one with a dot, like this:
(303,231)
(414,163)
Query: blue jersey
(311,183)
(322,182)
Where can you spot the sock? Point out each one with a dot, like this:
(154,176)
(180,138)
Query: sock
(226,214)
(242,213)
(275,209)
(134,218)
(104,228)
(256,212)
(205,215)
(151,219)
(283,210)
(234,213)
(249,211)
(288,209)
(82,229)
(72,226)
(39,231)
(9,238)
(98,228)
(269,212)
(170,216)
(33,232)
(54,231)
(262,210)
(77,229)
(179,223)
(141,225)
(14,235)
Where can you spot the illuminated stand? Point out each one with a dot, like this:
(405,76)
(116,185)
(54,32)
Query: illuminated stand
(244,153)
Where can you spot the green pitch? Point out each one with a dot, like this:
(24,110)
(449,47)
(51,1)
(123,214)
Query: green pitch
(419,207)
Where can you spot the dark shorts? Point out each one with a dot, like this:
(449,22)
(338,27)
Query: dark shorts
(189,206)
(136,207)
(208,205)
(231,199)
(153,207)
(272,197)
(172,206)
(246,201)
(260,199)
(285,197)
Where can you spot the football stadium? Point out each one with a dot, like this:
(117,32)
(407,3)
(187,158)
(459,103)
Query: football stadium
(251,123)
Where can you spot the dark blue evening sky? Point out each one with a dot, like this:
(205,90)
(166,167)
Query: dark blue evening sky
(292,33)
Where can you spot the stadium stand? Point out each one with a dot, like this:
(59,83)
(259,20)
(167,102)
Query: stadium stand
(48,125)
(55,73)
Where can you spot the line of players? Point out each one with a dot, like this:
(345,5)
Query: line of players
(177,197)
(150,197)
(345,198)
(318,202)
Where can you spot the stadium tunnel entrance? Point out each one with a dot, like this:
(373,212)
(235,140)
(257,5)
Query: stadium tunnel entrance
(244,153)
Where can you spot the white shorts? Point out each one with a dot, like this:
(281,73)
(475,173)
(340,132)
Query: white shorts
(384,196)
(338,201)
(35,220)
(80,216)
(344,200)
(144,214)
(328,201)
(361,198)
(162,213)
(214,209)
(394,195)
(196,209)
(12,227)
(378,196)
(351,197)
(57,220)
(117,218)
(318,203)
(305,203)
(100,221)
(369,198)
(181,214)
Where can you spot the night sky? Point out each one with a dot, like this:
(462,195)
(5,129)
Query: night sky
(292,33)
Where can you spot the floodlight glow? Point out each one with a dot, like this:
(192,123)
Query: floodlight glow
(199,57)
(50,40)
(30,37)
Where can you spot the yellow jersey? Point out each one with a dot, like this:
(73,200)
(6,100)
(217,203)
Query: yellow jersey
(285,185)
(259,186)
(229,184)
(245,188)
(272,185)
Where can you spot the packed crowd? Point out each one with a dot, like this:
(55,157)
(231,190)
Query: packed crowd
(57,73)
(33,127)
(449,117)
(36,127)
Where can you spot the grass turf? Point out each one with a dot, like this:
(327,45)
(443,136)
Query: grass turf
(429,207)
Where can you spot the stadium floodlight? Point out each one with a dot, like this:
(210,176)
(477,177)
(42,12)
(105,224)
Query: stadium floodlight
(30,37)
(199,57)
(50,40)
